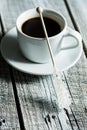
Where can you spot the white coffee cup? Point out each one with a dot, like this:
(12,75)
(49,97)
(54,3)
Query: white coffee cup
(36,49)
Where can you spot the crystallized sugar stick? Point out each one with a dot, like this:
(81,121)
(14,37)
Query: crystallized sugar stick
(61,90)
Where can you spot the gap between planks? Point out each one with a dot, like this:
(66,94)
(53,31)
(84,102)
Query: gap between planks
(75,25)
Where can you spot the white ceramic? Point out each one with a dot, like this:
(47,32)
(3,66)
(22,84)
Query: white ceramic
(64,59)
(36,49)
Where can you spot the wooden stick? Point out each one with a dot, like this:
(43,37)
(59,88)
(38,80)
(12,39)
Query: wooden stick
(40,10)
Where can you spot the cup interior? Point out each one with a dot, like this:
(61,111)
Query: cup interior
(32,13)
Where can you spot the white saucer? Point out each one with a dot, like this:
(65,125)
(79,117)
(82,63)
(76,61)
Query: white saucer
(11,53)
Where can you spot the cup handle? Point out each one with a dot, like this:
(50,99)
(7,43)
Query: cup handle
(72,33)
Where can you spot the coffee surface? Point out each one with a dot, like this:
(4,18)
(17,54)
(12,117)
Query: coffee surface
(33,27)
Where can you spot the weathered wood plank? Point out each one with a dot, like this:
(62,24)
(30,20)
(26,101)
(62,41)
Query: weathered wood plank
(76,79)
(79,72)
(36,94)
(78,11)
(35,100)
(8,112)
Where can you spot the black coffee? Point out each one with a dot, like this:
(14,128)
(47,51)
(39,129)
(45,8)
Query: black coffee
(33,27)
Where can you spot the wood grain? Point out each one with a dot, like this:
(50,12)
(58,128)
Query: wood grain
(78,13)
(8,112)
(76,79)
(36,95)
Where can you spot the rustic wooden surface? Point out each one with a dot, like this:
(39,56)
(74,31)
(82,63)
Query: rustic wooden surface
(8,111)
(28,102)
(78,12)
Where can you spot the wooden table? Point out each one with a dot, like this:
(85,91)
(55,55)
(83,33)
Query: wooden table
(27,102)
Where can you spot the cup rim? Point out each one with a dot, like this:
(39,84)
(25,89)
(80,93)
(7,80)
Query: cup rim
(44,9)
